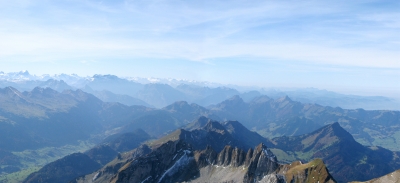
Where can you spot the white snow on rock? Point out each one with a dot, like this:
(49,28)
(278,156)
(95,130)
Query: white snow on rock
(179,164)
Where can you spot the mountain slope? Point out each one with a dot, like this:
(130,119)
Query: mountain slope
(393,177)
(283,116)
(159,95)
(126,141)
(346,159)
(206,132)
(64,169)
(93,159)
(108,96)
(46,117)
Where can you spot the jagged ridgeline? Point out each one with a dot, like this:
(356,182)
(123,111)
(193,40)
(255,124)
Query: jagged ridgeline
(207,151)
(176,161)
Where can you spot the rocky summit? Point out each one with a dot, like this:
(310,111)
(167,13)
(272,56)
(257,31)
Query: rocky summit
(176,161)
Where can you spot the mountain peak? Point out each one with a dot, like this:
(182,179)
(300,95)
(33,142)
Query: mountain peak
(197,124)
(261,99)
(11,91)
(177,104)
(235,97)
(202,121)
(335,129)
(105,77)
(266,151)
(214,126)
(233,124)
(24,72)
(285,98)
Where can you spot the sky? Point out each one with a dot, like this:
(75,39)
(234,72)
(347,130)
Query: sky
(345,46)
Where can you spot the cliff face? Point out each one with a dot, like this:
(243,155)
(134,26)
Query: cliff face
(261,163)
(108,171)
(253,165)
(177,162)
(171,162)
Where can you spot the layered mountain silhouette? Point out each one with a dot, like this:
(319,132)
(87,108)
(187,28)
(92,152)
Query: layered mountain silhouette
(45,117)
(202,93)
(283,116)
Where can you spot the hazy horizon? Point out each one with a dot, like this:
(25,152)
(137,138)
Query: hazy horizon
(348,47)
(240,88)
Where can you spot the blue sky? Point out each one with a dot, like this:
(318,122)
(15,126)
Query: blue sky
(347,46)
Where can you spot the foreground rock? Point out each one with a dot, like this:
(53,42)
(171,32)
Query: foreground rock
(176,161)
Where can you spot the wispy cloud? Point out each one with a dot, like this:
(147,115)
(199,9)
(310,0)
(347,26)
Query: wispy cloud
(340,33)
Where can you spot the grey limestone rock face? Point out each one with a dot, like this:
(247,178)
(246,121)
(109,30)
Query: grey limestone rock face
(175,161)
(262,163)
(171,162)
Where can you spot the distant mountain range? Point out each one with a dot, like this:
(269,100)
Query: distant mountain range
(277,117)
(45,116)
(162,92)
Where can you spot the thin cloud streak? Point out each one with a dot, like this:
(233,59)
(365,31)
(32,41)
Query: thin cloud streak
(325,34)
(176,28)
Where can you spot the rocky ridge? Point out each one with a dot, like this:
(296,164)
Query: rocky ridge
(177,162)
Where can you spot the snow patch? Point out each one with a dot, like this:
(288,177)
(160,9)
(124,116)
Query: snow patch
(146,179)
(179,164)
(96,176)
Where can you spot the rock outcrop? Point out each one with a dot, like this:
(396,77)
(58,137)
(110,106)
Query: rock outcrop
(314,171)
(175,161)
(171,162)
(262,163)
(109,170)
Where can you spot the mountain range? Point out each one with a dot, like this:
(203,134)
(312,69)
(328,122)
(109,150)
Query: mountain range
(162,92)
(283,116)
(187,156)
(37,115)
(222,151)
